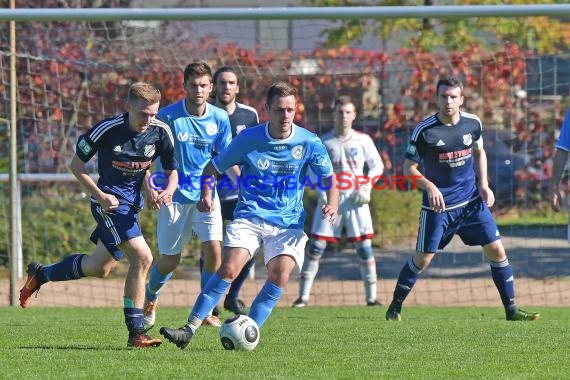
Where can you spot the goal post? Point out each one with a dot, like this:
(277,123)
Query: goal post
(73,66)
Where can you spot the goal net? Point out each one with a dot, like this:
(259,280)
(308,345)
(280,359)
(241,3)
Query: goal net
(71,74)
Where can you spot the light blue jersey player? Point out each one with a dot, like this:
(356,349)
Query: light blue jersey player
(456,197)
(274,159)
(199,130)
(559,163)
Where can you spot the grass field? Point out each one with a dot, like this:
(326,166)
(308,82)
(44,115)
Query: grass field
(311,343)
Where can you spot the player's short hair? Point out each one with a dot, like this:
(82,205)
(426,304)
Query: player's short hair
(343,100)
(144,91)
(451,82)
(225,69)
(280,90)
(197,69)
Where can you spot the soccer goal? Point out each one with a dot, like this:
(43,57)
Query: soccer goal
(74,65)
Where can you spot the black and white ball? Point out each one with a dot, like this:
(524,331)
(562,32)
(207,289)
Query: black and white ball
(239,332)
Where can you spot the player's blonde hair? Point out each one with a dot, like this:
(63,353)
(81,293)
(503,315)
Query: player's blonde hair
(144,91)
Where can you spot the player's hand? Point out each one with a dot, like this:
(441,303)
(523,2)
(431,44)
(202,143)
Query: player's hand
(487,195)
(151,197)
(435,198)
(556,197)
(361,196)
(109,202)
(205,205)
(164,198)
(330,212)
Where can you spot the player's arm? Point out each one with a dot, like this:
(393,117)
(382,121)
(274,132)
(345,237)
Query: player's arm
(435,198)
(209,174)
(107,201)
(330,208)
(559,162)
(480,160)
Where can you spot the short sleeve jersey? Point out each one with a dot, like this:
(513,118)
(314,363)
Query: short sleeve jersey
(273,173)
(196,140)
(446,153)
(124,155)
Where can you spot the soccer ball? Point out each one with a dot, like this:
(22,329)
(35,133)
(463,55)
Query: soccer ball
(239,332)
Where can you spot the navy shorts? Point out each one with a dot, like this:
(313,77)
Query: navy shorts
(474,224)
(115,227)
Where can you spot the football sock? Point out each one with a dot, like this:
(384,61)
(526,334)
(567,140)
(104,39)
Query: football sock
(503,277)
(208,298)
(67,269)
(264,303)
(204,277)
(406,280)
(236,285)
(368,269)
(155,282)
(134,318)
(311,267)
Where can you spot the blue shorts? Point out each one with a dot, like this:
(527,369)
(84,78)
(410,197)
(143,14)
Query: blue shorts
(115,227)
(474,224)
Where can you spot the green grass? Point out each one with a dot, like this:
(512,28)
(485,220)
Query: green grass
(311,343)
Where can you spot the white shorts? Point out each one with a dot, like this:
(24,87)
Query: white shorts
(177,222)
(355,219)
(256,233)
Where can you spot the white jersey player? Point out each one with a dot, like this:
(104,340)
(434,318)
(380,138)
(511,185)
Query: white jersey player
(350,152)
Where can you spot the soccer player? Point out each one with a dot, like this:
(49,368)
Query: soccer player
(456,197)
(350,151)
(226,87)
(200,129)
(126,145)
(559,162)
(274,157)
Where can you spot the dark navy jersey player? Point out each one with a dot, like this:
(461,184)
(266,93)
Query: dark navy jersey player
(456,197)
(126,145)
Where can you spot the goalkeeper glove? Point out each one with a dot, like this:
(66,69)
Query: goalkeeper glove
(361,196)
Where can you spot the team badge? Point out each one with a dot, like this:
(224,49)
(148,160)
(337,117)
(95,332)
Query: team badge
(263,164)
(297,152)
(117,149)
(467,140)
(211,129)
(353,152)
(411,149)
(149,150)
(84,146)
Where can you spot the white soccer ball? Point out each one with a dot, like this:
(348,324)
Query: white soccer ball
(239,332)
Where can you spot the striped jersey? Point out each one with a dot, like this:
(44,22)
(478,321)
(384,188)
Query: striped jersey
(446,153)
(124,155)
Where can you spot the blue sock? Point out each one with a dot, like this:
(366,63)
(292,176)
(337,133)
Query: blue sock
(503,277)
(406,280)
(155,283)
(134,320)
(213,291)
(264,303)
(67,269)
(235,288)
(204,277)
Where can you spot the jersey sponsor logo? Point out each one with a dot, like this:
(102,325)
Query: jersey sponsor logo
(440,143)
(263,164)
(211,129)
(298,152)
(117,148)
(182,136)
(240,128)
(131,167)
(411,149)
(84,146)
(149,150)
(467,140)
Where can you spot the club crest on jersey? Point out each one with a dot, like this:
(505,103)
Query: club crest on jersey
(211,129)
(411,149)
(263,164)
(353,152)
(182,137)
(467,140)
(297,152)
(84,146)
(117,148)
(149,150)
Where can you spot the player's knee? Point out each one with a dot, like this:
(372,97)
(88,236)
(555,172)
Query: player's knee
(364,250)
(168,263)
(316,249)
